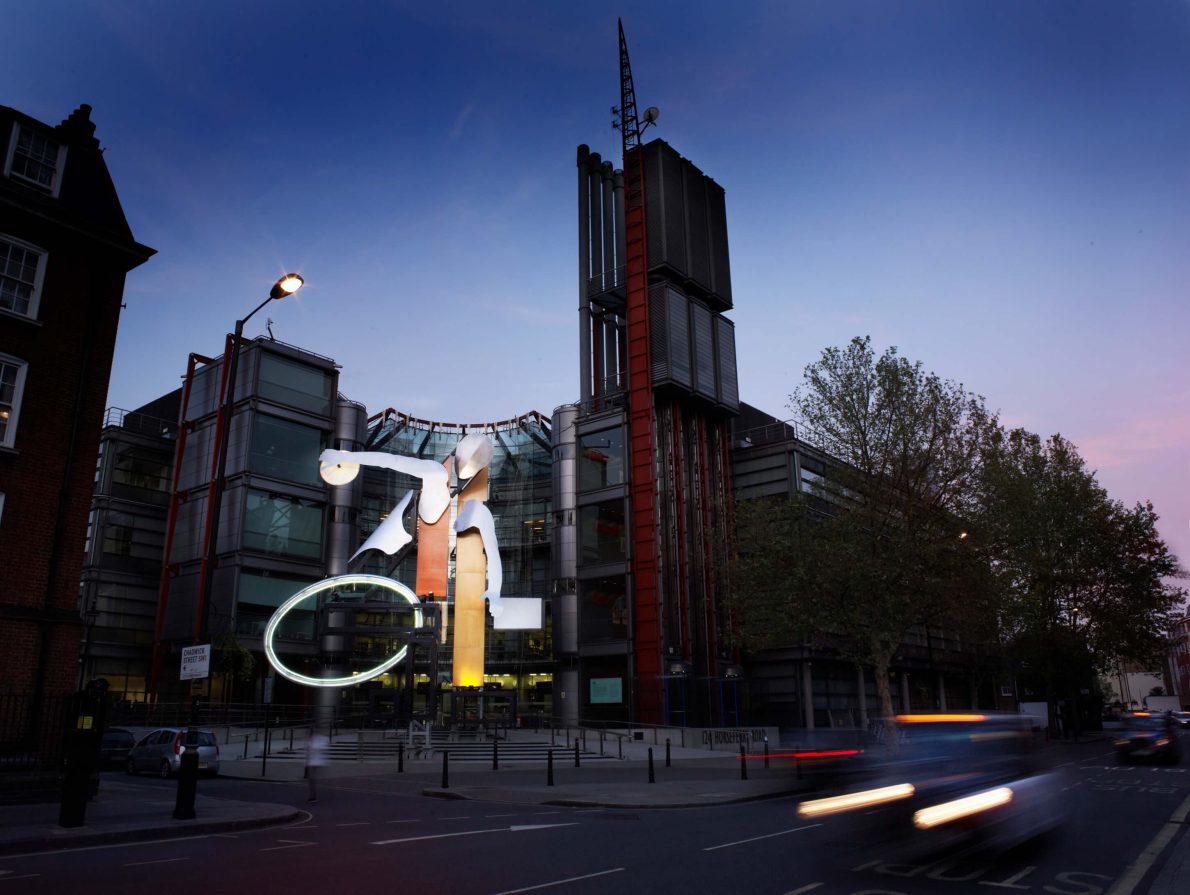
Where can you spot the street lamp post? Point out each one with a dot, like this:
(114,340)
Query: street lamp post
(287,285)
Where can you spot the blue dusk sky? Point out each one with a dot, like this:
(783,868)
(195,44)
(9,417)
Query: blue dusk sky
(999,189)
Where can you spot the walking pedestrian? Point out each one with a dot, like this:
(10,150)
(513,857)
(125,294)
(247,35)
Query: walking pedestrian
(315,760)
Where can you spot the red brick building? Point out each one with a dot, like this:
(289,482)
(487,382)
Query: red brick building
(65,248)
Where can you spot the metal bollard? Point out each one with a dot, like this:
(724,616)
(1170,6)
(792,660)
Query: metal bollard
(446,770)
(549,767)
(576,752)
(766,753)
(359,746)
(245,745)
(495,755)
(743,763)
(401,757)
(652,776)
(667,764)
(620,742)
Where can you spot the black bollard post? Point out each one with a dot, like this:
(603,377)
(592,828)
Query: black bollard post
(187,777)
(667,764)
(401,757)
(549,768)
(766,753)
(743,764)
(446,770)
(576,752)
(495,755)
(652,776)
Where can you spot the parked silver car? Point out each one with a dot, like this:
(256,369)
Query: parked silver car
(160,752)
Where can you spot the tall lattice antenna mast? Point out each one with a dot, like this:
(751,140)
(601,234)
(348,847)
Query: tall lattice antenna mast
(629,124)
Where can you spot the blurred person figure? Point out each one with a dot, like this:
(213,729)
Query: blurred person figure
(315,760)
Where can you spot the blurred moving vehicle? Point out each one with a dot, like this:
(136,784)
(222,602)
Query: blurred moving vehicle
(955,777)
(114,747)
(1181,719)
(160,752)
(1149,736)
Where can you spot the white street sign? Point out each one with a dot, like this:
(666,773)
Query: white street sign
(196,662)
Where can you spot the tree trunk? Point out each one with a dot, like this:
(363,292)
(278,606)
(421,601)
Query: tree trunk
(880,669)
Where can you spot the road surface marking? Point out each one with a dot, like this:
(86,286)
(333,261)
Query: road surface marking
(1138,868)
(804,889)
(758,838)
(158,861)
(513,829)
(293,843)
(66,851)
(559,882)
(514,814)
(401,821)
(4,879)
(356,823)
(458,817)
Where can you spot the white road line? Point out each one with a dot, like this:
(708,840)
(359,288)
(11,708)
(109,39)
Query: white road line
(458,817)
(512,829)
(758,838)
(4,879)
(1138,868)
(293,843)
(501,815)
(401,821)
(159,861)
(547,812)
(139,842)
(357,823)
(559,882)
(804,889)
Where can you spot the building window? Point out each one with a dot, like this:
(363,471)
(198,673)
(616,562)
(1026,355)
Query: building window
(600,459)
(21,267)
(34,159)
(283,526)
(12,385)
(602,533)
(294,384)
(603,609)
(285,450)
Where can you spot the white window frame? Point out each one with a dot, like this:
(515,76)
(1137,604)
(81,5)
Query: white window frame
(59,164)
(38,277)
(18,393)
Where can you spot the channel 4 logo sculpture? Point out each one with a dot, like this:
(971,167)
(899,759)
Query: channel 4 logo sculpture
(476,585)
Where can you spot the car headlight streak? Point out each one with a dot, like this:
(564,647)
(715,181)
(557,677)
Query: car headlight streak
(851,801)
(313,590)
(965,807)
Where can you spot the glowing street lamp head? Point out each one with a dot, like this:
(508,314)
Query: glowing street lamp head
(287,285)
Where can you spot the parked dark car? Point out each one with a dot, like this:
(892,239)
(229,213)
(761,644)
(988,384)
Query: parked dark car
(160,752)
(115,746)
(1148,737)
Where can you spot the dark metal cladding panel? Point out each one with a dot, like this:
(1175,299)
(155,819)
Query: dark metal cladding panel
(651,155)
(703,332)
(698,242)
(659,333)
(729,387)
(674,211)
(679,338)
(720,265)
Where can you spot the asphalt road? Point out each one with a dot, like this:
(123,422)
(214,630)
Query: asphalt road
(360,838)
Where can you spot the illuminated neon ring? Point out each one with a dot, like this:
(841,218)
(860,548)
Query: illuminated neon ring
(328,584)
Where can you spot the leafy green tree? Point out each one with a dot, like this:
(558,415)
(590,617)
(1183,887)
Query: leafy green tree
(876,549)
(1083,580)
(233,662)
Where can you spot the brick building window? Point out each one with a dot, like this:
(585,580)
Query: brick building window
(21,269)
(34,159)
(12,385)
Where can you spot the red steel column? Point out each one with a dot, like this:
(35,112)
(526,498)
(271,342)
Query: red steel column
(646,633)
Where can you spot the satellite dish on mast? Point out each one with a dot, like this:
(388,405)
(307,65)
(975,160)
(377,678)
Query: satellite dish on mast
(652,114)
